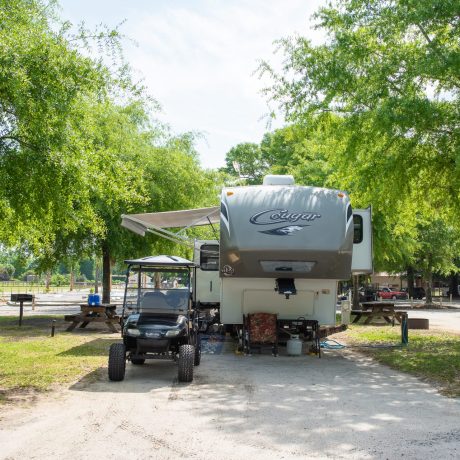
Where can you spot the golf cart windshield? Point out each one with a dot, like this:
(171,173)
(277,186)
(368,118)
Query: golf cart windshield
(158,290)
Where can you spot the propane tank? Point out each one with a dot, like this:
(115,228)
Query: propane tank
(294,346)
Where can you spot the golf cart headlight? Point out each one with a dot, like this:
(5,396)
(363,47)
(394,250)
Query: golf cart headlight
(172,333)
(134,332)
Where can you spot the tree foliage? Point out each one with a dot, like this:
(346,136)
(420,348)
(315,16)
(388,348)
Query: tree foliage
(77,145)
(385,86)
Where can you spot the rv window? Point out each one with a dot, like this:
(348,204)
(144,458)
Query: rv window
(209,257)
(358,229)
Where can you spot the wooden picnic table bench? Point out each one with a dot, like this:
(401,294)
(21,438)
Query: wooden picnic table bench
(105,313)
(373,310)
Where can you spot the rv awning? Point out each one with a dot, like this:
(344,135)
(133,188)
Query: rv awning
(141,223)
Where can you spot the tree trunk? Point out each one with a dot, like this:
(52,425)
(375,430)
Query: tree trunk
(428,287)
(106,273)
(96,275)
(72,279)
(410,281)
(47,282)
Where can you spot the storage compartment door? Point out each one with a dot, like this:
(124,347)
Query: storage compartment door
(361,262)
(207,281)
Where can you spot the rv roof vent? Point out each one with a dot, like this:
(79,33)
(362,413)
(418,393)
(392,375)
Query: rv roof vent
(273,179)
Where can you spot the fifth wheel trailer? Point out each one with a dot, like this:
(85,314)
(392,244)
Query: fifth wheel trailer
(282,249)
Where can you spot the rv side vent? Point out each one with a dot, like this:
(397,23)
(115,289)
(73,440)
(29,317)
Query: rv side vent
(273,179)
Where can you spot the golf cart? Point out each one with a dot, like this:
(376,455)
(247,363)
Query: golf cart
(159,321)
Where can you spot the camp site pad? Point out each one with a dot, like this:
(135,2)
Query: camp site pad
(343,406)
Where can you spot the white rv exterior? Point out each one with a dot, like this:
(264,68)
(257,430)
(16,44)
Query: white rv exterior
(282,249)
(279,231)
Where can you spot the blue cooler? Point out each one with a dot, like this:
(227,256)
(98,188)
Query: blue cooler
(94,299)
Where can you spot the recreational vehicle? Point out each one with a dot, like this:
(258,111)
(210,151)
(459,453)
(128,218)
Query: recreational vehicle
(282,249)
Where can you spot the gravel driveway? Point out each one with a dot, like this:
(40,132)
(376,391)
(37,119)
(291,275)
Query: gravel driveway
(342,406)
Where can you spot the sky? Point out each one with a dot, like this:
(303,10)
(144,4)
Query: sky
(198,60)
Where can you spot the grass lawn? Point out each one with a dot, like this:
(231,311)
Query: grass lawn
(32,360)
(430,355)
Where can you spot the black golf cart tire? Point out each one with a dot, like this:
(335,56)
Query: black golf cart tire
(138,361)
(186,360)
(117,362)
(197,359)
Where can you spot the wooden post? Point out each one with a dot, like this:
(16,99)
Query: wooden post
(21,312)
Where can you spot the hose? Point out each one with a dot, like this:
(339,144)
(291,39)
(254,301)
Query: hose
(334,345)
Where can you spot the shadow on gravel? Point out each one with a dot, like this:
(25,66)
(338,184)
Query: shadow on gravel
(335,405)
(144,378)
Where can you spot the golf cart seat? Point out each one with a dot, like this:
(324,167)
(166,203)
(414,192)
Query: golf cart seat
(260,330)
(153,300)
(178,299)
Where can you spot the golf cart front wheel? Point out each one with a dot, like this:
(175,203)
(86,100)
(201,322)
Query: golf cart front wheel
(186,361)
(117,362)
(138,361)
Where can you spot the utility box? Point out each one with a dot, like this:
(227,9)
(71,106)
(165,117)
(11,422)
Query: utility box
(346,311)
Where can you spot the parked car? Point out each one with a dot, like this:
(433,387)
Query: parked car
(388,293)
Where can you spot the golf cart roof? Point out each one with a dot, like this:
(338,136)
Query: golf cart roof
(161,261)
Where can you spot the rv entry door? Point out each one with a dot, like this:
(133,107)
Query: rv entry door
(361,262)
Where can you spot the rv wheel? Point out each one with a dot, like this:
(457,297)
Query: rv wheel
(186,360)
(117,362)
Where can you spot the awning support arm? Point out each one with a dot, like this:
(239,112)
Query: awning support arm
(171,236)
(213,229)
(193,223)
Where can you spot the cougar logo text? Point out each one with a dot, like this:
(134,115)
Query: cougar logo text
(278,216)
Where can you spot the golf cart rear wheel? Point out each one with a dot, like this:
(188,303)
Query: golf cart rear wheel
(186,360)
(197,352)
(138,360)
(117,362)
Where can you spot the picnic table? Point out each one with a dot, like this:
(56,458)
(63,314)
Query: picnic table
(103,313)
(378,309)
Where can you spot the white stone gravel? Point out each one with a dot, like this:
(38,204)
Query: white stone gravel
(343,406)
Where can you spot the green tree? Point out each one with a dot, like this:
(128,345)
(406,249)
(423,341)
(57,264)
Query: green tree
(246,161)
(43,82)
(6,271)
(386,83)
(438,247)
